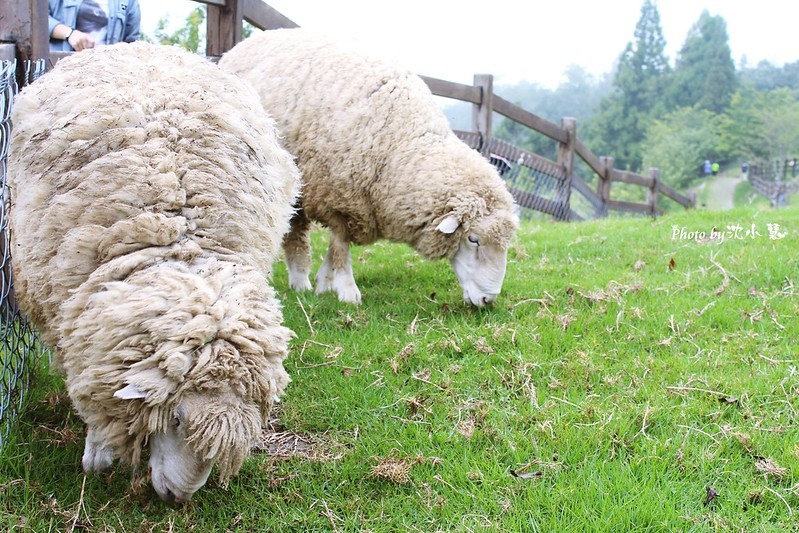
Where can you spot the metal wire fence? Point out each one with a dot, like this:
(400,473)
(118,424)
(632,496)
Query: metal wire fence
(537,184)
(18,341)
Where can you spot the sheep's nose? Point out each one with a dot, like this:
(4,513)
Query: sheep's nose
(169,497)
(488,299)
(172,498)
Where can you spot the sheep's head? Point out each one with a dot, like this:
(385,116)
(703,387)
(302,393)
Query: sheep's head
(482,253)
(211,419)
(205,429)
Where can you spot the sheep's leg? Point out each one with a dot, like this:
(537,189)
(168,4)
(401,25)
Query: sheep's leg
(97,457)
(297,247)
(335,274)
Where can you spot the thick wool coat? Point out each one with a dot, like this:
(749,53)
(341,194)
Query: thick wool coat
(149,197)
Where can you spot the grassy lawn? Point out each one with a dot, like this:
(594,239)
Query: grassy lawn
(630,378)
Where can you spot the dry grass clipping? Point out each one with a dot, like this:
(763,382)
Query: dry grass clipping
(394,470)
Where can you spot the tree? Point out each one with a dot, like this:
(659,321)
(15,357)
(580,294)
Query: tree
(192,35)
(189,37)
(637,100)
(704,74)
(680,142)
(766,76)
(762,124)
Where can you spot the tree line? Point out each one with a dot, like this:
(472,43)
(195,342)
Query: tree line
(648,113)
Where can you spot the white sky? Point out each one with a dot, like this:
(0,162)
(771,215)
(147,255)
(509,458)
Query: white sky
(532,40)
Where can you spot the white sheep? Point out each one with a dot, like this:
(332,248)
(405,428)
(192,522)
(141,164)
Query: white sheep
(149,197)
(379,160)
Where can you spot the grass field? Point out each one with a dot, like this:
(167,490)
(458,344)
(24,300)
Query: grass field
(635,375)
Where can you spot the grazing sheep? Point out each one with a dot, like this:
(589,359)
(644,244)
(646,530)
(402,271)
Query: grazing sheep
(379,160)
(148,200)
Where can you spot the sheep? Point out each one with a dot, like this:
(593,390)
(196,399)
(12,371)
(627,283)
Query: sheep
(149,196)
(378,160)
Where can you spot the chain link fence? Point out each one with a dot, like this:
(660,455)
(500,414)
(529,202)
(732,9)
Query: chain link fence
(18,342)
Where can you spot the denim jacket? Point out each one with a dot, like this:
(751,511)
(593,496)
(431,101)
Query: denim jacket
(124,19)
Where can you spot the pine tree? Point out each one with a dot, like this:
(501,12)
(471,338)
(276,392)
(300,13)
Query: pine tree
(704,73)
(637,100)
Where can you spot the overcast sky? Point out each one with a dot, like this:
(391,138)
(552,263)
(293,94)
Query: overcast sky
(532,40)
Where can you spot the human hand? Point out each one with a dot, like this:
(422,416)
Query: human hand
(80,41)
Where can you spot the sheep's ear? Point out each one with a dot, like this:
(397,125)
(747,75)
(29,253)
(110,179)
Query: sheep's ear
(449,224)
(130,392)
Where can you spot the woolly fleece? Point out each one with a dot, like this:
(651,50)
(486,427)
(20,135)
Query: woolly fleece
(149,197)
(378,157)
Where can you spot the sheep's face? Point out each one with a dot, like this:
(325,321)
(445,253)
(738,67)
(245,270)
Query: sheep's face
(482,255)
(206,429)
(176,471)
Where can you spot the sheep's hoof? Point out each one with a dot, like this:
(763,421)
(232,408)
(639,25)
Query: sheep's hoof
(350,295)
(300,284)
(97,459)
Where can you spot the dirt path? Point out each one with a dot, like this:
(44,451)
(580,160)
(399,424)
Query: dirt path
(720,192)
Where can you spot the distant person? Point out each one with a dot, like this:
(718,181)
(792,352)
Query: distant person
(714,168)
(80,24)
(706,168)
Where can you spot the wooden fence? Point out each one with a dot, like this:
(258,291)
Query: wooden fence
(775,184)
(486,103)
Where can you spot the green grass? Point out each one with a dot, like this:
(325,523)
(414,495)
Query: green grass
(745,195)
(624,381)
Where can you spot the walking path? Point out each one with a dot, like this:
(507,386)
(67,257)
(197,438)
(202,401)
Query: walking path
(720,192)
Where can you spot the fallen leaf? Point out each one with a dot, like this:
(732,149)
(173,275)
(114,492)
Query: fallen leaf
(711,495)
(672,264)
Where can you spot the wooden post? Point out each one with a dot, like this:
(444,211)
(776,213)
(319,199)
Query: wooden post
(23,25)
(482,112)
(652,195)
(604,181)
(225,25)
(566,160)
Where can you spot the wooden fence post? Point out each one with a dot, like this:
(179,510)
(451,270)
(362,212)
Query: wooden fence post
(482,112)
(224,27)
(603,182)
(652,194)
(24,25)
(566,160)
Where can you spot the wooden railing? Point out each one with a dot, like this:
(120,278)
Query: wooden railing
(777,186)
(23,33)
(485,102)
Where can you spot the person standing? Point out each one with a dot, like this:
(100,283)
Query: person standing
(79,24)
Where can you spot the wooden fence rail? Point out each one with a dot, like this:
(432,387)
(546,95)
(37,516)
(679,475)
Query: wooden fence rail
(485,103)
